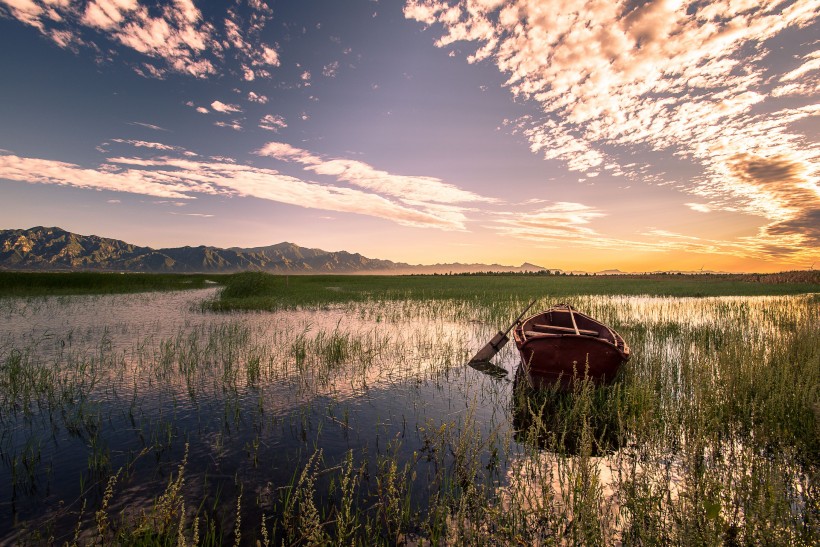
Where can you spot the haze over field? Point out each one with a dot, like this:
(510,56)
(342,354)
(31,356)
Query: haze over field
(581,135)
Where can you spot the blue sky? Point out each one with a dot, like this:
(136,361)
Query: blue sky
(574,135)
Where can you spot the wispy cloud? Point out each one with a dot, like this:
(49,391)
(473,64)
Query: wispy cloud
(27,11)
(559,221)
(200,215)
(272,122)
(362,175)
(699,207)
(148,126)
(256,98)
(690,78)
(236,125)
(184,178)
(219,106)
(148,144)
(330,70)
(173,36)
(561,224)
(782,189)
(244,35)
(200,109)
(107,177)
(177,35)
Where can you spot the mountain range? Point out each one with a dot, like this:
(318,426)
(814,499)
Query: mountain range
(55,249)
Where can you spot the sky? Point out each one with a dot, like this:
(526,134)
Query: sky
(580,135)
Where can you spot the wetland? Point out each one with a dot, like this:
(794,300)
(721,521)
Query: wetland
(338,410)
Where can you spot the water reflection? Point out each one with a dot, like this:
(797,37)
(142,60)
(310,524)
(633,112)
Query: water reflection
(95,384)
(568,422)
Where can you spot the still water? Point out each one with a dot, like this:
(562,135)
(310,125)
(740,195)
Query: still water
(126,381)
(93,385)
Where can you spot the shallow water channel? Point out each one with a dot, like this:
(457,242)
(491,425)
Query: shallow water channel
(253,395)
(261,407)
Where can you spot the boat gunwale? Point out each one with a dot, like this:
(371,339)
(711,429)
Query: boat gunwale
(522,340)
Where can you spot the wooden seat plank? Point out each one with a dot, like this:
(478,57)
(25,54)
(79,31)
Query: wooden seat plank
(539,327)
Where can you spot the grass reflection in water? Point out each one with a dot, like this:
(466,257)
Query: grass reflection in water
(137,419)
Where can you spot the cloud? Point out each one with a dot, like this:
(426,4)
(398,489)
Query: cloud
(147,144)
(270,56)
(147,70)
(564,221)
(362,175)
(200,215)
(225,108)
(148,126)
(173,34)
(285,152)
(236,125)
(176,35)
(689,78)
(784,189)
(699,207)
(271,122)
(200,109)
(26,11)
(812,64)
(243,34)
(562,224)
(330,70)
(106,14)
(254,98)
(67,174)
(184,178)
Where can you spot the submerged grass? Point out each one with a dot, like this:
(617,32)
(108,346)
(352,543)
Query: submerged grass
(368,429)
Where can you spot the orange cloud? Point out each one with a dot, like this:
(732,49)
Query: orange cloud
(687,77)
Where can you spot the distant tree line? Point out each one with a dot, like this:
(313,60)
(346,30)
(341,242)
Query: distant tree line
(497,273)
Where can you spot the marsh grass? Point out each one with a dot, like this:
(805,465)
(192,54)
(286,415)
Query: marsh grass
(260,291)
(359,424)
(16,284)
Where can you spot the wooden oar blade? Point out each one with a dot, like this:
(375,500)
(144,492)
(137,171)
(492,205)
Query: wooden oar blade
(490,369)
(490,350)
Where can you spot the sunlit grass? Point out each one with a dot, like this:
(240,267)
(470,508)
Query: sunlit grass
(260,291)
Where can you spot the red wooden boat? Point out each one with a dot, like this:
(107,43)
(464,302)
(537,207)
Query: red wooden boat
(561,343)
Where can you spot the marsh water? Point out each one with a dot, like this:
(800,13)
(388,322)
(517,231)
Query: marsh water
(254,406)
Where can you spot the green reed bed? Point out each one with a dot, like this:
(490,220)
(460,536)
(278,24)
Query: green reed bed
(260,291)
(15,284)
(359,424)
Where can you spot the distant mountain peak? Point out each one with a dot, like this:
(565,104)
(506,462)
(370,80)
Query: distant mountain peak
(52,248)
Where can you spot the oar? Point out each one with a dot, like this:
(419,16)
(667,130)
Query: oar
(494,346)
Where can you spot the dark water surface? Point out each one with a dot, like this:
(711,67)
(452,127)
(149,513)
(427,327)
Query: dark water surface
(134,379)
(93,386)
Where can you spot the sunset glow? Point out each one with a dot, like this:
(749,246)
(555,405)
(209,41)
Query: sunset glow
(580,135)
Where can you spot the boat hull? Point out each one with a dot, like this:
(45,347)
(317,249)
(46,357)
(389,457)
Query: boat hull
(563,345)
